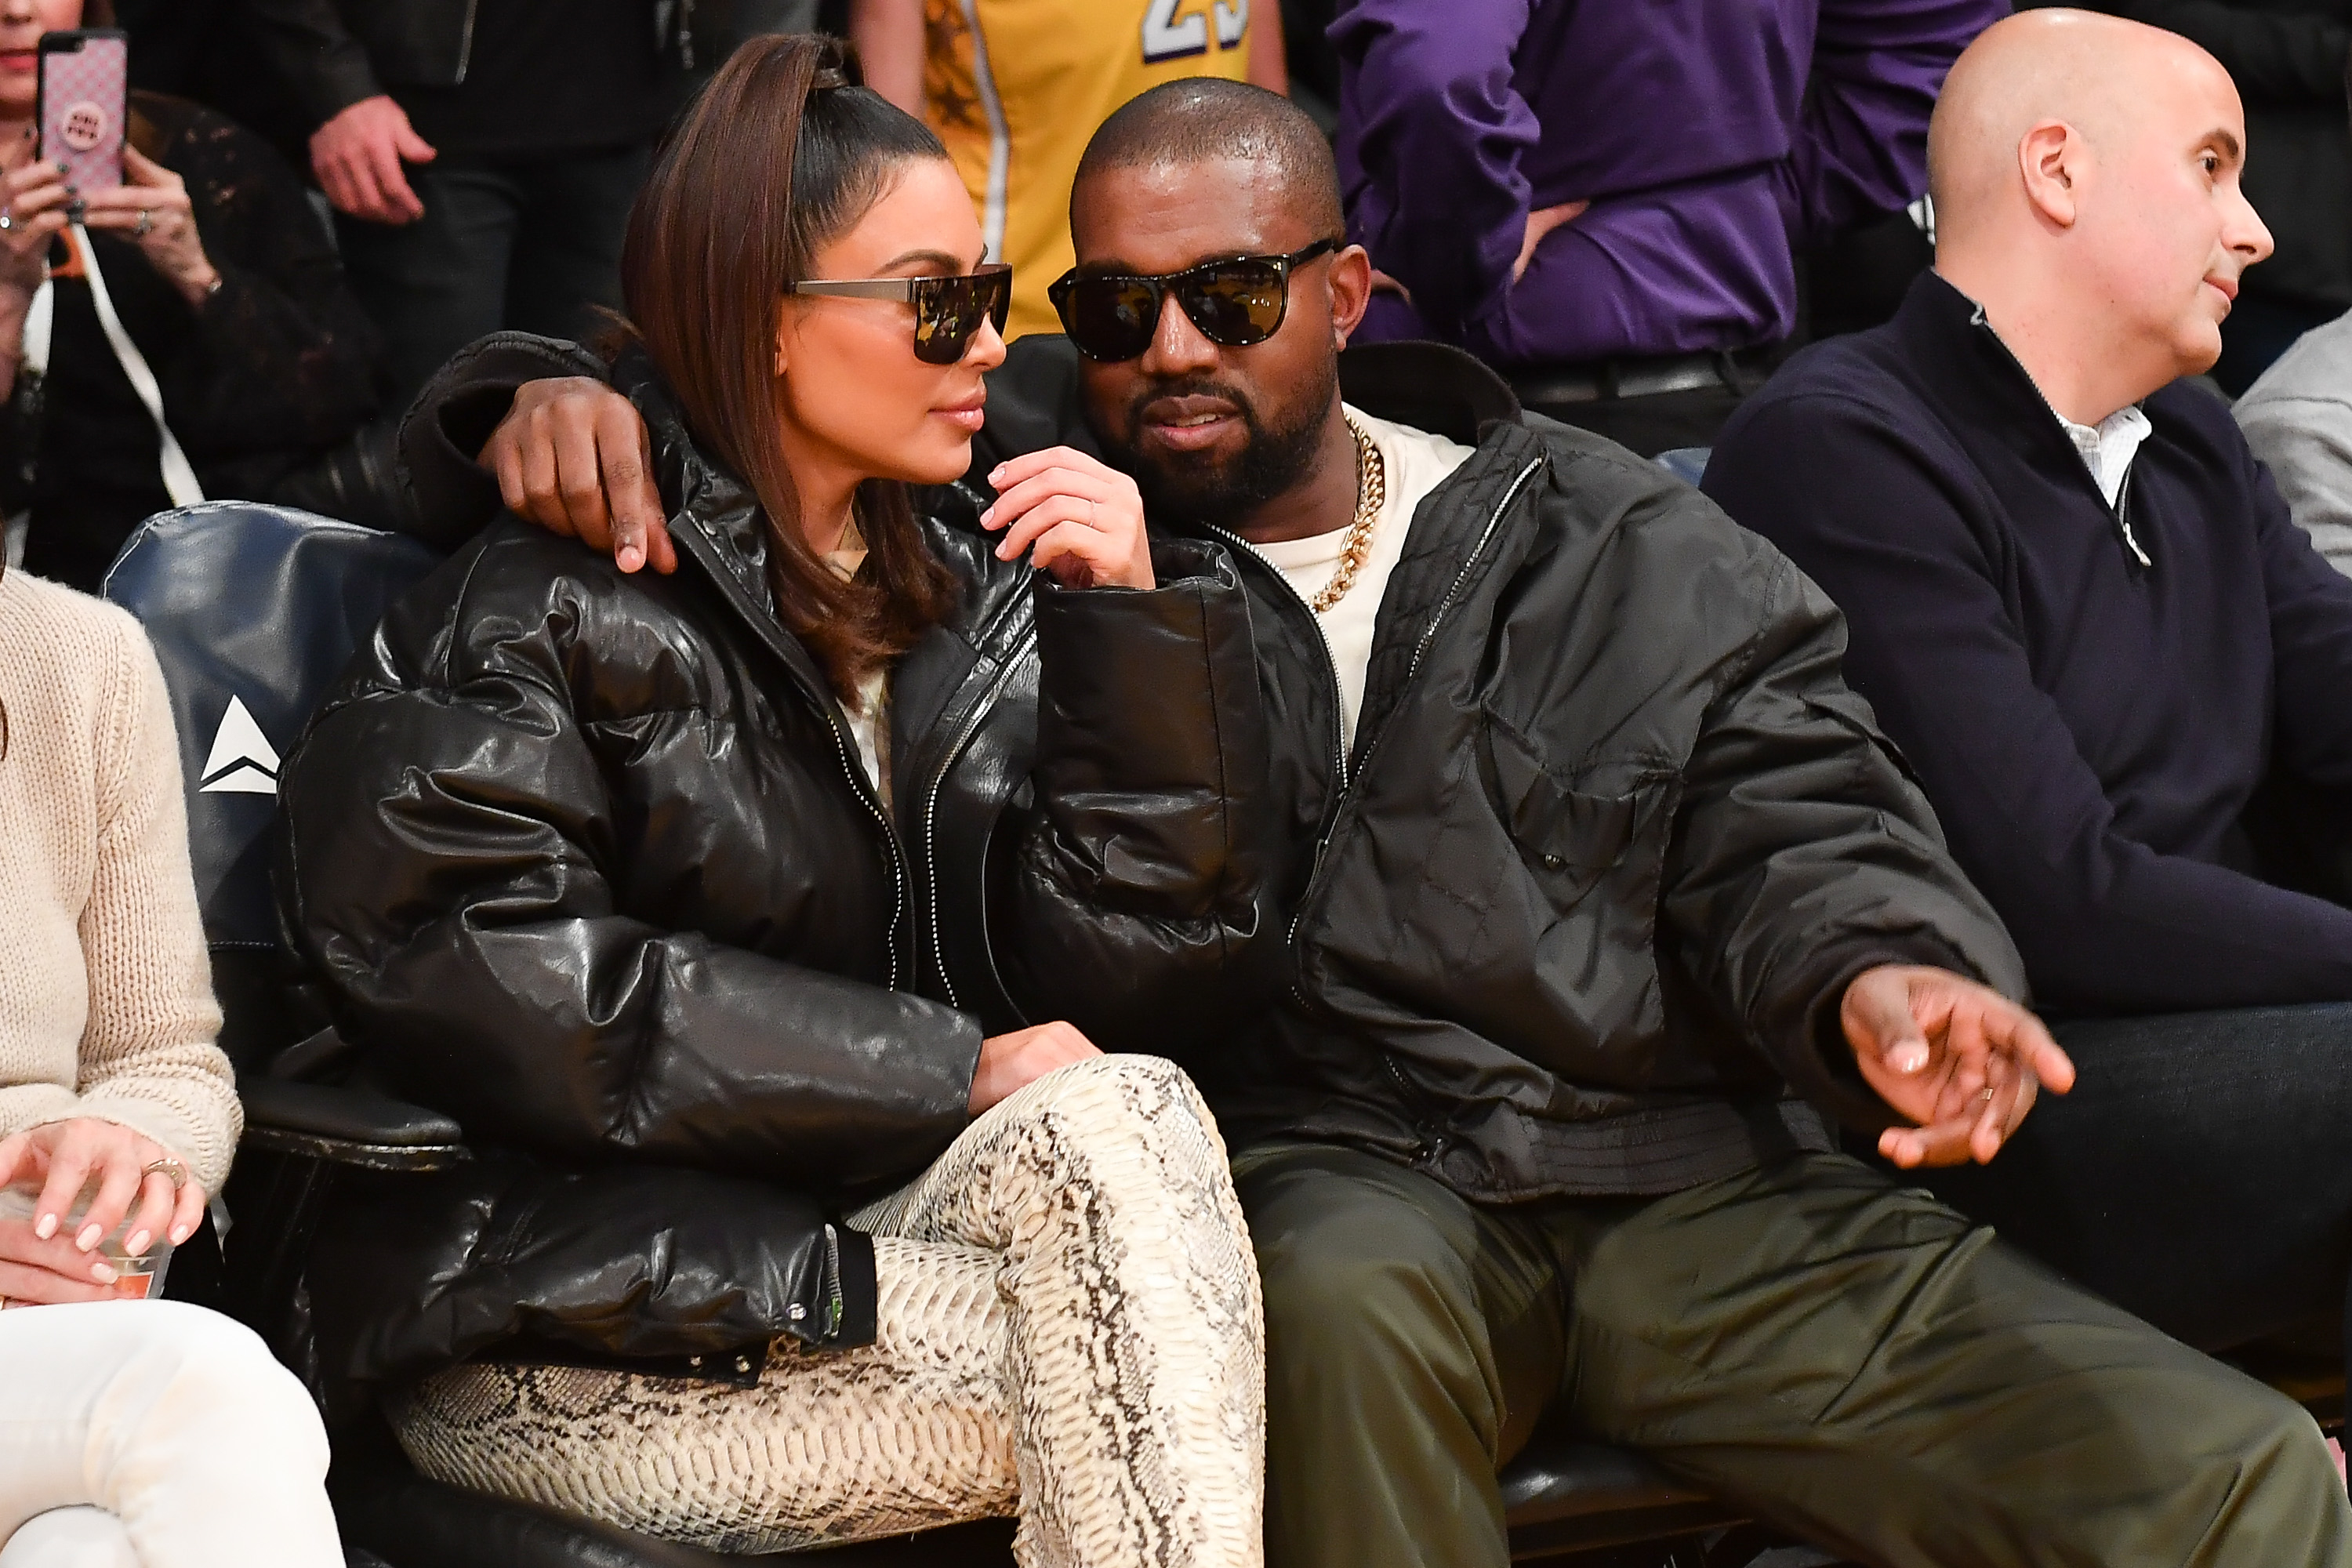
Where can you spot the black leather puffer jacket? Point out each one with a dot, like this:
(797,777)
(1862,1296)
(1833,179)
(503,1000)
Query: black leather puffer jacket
(589,862)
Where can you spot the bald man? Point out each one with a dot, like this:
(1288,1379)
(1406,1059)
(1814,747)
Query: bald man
(2123,675)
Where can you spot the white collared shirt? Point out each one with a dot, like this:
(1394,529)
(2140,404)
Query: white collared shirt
(2107,448)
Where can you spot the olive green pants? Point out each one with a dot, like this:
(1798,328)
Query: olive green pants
(1847,1358)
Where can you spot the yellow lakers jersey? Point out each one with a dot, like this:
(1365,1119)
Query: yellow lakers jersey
(1014,88)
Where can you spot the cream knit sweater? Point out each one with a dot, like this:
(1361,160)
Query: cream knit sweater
(106,1003)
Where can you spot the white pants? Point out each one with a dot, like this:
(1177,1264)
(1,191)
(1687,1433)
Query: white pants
(155,1434)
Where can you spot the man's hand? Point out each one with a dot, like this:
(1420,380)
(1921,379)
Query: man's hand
(1079,518)
(573,456)
(357,156)
(1541,222)
(1010,1063)
(1960,1061)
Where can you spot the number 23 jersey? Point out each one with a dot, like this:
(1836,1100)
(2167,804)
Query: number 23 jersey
(1017,87)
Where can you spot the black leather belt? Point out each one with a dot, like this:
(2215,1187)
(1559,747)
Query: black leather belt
(1648,376)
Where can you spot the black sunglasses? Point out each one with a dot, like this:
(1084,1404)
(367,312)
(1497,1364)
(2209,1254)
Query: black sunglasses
(1235,302)
(948,311)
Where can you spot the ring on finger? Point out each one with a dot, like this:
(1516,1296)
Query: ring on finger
(146,222)
(1988,1094)
(7,222)
(167,1166)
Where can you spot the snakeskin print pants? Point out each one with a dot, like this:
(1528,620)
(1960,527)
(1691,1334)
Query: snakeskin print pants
(1070,1331)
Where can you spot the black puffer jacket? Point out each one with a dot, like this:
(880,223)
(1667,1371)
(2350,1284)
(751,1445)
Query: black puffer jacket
(589,862)
(1576,913)
(1580,906)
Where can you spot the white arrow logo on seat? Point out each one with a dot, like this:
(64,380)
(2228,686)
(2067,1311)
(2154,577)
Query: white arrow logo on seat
(243,762)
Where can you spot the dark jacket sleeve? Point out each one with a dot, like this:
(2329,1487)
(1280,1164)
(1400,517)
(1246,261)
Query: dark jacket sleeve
(1142,869)
(1860,146)
(281,356)
(2106,925)
(450,843)
(2276,56)
(1803,853)
(315,53)
(1441,133)
(451,499)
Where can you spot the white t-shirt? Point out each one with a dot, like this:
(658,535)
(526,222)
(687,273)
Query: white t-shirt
(1416,463)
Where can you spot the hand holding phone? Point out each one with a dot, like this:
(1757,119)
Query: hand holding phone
(85,84)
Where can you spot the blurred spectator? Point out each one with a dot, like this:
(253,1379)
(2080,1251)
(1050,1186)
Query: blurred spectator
(228,294)
(2298,420)
(1016,100)
(482,154)
(2288,59)
(1602,200)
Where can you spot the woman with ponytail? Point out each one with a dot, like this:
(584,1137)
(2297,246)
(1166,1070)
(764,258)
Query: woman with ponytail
(787,1228)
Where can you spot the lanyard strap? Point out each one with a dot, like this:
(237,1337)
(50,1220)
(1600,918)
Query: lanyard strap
(40,328)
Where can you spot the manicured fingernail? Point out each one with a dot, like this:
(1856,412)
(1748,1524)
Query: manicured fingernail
(1910,1058)
(89,1238)
(46,1227)
(181,1232)
(986,516)
(102,1272)
(993,472)
(136,1243)
(630,558)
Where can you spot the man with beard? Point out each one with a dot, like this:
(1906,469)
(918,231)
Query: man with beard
(1587,855)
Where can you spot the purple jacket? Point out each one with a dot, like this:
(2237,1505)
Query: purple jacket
(1687,125)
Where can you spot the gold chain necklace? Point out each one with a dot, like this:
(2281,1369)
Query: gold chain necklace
(1372,494)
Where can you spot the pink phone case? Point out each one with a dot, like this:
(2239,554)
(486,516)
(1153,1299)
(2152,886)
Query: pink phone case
(82,109)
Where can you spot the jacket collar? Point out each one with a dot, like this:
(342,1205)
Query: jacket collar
(1434,387)
(1985,392)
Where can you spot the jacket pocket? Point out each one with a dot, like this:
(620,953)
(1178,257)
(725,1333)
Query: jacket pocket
(1573,838)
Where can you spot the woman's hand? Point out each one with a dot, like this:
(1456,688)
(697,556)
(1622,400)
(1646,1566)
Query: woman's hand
(33,196)
(1079,518)
(65,1156)
(38,1273)
(1009,1063)
(152,208)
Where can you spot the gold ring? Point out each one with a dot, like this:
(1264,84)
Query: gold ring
(1988,1094)
(169,1167)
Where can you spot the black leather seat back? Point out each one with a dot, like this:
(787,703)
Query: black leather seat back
(254,610)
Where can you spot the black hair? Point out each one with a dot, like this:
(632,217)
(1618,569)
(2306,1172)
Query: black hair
(1200,118)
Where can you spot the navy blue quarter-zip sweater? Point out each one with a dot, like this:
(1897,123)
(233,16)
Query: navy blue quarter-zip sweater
(2089,728)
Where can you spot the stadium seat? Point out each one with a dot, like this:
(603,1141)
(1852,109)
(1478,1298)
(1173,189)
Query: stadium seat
(254,610)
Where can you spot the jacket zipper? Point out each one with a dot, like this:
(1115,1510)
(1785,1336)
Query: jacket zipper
(852,769)
(864,786)
(466,42)
(2123,492)
(1013,659)
(1429,634)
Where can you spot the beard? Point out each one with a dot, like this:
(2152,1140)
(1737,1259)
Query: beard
(1191,493)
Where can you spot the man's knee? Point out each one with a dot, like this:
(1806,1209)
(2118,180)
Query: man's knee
(1363,1286)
